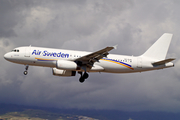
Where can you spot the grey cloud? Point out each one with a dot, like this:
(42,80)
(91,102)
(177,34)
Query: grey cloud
(90,25)
(9,11)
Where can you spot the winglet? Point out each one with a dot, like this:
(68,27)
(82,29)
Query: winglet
(115,47)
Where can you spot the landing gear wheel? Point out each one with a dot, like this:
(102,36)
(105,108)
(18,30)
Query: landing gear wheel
(81,79)
(25,72)
(85,76)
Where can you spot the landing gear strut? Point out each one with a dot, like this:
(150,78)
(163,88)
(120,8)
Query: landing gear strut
(83,76)
(26,71)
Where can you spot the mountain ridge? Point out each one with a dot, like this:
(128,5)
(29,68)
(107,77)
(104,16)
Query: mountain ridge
(91,114)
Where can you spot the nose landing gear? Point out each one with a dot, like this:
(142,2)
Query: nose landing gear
(83,76)
(26,70)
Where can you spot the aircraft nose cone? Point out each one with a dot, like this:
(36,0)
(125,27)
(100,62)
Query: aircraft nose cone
(7,56)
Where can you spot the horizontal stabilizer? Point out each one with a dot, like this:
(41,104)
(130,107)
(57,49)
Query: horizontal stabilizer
(163,61)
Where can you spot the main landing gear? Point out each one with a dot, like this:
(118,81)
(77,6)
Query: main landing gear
(26,71)
(83,76)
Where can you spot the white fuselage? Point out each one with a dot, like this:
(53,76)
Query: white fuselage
(47,57)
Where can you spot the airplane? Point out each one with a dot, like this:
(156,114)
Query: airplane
(69,62)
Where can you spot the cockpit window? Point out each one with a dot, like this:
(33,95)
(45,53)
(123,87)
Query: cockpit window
(15,50)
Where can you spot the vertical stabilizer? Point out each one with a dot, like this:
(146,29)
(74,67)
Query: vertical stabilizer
(159,49)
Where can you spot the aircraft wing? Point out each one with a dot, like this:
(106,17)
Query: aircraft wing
(88,60)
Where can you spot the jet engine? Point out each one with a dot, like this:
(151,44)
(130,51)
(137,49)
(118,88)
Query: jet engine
(66,65)
(59,72)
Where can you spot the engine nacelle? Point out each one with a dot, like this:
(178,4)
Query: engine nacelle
(59,72)
(66,65)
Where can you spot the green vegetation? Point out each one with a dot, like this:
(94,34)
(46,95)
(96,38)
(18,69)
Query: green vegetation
(31,114)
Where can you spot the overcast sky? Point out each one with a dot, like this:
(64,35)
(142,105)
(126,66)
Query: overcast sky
(90,25)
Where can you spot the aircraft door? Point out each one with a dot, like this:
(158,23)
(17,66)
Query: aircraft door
(139,62)
(27,51)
